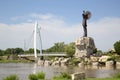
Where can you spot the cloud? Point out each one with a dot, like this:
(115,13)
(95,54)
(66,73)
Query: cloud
(106,32)
(55,29)
(13,35)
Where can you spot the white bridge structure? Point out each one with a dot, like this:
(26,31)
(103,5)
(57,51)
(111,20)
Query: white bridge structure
(37,32)
(44,54)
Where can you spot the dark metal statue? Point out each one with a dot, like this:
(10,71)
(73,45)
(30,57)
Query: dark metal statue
(86,15)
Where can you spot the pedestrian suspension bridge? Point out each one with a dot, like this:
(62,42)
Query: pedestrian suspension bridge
(36,33)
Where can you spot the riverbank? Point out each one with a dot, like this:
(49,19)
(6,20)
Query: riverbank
(62,76)
(15,61)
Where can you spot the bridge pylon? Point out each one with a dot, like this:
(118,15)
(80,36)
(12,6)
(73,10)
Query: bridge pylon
(37,30)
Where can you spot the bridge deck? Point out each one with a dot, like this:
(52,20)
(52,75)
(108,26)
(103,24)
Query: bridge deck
(45,54)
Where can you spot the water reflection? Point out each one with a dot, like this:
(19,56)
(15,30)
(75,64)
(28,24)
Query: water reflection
(34,68)
(24,69)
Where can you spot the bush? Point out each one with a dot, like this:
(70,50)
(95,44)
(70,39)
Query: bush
(117,75)
(11,77)
(74,61)
(41,75)
(62,76)
(38,76)
(33,77)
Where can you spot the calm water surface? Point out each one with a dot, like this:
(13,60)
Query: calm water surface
(24,69)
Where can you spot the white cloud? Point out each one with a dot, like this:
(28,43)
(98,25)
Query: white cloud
(55,29)
(42,16)
(13,35)
(106,32)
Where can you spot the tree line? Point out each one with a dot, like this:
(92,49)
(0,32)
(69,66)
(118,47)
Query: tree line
(57,47)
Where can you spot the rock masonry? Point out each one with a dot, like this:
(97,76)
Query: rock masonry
(84,47)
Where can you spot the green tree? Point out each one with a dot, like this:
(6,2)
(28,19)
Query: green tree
(117,47)
(58,47)
(9,51)
(70,49)
(13,51)
(31,50)
(18,50)
(1,52)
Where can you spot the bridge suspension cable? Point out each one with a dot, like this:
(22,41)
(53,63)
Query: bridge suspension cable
(28,41)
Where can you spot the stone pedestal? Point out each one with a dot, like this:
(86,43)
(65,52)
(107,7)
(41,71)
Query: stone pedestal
(84,47)
(78,76)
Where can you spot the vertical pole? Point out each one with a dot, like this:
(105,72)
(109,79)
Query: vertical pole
(35,36)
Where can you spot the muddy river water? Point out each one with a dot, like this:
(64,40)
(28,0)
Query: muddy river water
(22,70)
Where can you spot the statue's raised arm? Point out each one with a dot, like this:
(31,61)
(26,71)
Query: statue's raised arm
(86,15)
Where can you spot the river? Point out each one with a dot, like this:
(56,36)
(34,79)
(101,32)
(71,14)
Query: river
(22,70)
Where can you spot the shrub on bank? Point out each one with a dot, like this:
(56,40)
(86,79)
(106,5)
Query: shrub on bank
(11,77)
(41,75)
(62,76)
(74,61)
(32,77)
(38,76)
(117,76)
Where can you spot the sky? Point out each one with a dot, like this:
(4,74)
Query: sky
(60,21)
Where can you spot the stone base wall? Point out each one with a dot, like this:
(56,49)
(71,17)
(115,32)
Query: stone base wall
(84,47)
(78,76)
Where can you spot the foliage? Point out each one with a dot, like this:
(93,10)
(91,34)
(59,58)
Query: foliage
(31,51)
(1,52)
(117,47)
(33,77)
(15,61)
(74,61)
(62,47)
(117,75)
(14,51)
(41,75)
(11,77)
(18,50)
(58,47)
(38,76)
(9,51)
(95,50)
(62,76)
(70,49)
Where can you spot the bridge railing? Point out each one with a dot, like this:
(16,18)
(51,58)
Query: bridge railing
(45,54)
